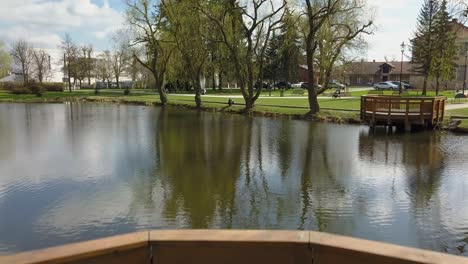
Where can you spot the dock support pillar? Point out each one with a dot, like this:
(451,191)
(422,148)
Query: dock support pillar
(407,126)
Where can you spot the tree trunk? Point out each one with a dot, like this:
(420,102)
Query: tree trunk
(213,79)
(69,79)
(249,104)
(159,87)
(117,80)
(220,84)
(437,86)
(313,101)
(197,86)
(424,86)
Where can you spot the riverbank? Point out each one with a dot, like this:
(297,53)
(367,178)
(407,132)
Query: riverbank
(333,110)
(343,110)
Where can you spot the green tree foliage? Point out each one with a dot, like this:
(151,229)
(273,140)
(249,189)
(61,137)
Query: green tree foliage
(5,61)
(149,25)
(424,41)
(291,47)
(445,49)
(284,52)
(273,59)
(188,31)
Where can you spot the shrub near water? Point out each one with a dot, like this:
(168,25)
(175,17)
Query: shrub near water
(33,87)
(53,87)
(19,90)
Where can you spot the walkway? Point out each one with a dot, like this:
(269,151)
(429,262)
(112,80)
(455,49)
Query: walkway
(456,106)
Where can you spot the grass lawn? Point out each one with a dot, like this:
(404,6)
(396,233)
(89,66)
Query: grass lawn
(265,105)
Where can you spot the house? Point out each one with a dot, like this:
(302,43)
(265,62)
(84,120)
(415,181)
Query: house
(303,74)
(12,77)
(367,73)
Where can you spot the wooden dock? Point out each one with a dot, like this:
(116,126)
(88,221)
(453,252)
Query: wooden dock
(405,112)
(231,247)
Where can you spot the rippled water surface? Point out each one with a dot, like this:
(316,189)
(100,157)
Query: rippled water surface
(71,172)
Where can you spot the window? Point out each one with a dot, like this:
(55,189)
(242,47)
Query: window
(385,69)
(463,48)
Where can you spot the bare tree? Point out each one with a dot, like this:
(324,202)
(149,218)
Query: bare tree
(41,64)
(23,55)
(70,55)
(341,32)
(104,67)
(245,31)
(89,62)
(318,13)
(120,56)
(147,22)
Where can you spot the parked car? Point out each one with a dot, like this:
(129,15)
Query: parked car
(305,85)
(101,85)
(265,85)
(405,85)
(283,85)
(297,85)
(386,86)
(337,85)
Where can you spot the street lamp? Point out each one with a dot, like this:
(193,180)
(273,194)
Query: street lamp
(464,78)
(403,47)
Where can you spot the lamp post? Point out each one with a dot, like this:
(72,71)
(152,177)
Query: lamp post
(403,47)
(464,78)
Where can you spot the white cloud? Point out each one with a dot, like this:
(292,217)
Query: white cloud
(43,22)
(396,22)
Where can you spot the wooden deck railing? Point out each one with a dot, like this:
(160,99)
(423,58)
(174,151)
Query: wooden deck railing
(231,246)
(406,110)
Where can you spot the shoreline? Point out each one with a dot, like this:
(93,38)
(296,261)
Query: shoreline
(326,115)
(343,116)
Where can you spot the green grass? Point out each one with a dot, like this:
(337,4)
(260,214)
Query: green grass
(264,105)
(459,112)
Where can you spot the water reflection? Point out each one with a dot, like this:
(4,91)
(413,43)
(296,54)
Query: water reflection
(81,171)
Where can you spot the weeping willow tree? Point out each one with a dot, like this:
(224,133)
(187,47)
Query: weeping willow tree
(188,29)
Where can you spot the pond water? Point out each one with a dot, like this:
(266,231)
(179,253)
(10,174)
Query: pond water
(72,172)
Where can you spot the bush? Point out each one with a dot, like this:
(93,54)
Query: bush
(10,86)
(20,90)
(33,87)
(36,88)
(53,87)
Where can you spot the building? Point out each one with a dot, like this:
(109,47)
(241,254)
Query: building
(12,77)
(303,74)
(367,73)
(462,42)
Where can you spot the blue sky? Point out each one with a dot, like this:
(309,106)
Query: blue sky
(43,22)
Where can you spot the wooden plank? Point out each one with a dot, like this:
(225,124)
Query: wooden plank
(233,246)
(230,236)
(83,251)
(339,249)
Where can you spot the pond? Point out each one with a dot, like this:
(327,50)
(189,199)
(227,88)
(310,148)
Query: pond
(73,172)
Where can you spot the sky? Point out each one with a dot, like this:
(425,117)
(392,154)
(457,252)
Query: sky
(44,22)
